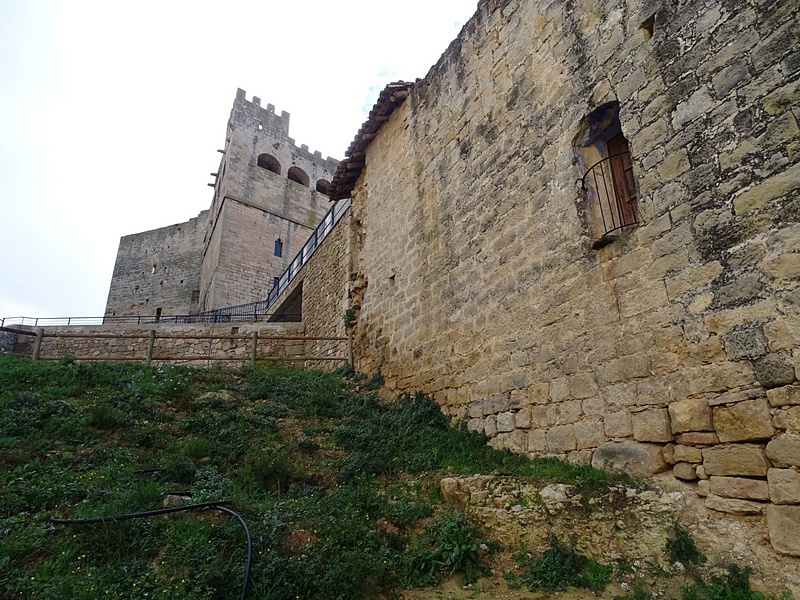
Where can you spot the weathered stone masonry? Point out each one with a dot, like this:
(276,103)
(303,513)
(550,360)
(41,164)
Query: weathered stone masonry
(485,280)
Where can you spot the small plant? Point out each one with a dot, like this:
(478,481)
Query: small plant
(638,592)
(560,567)
(349,318)
(66,358)
(682,548)
(735,585)
(450,544)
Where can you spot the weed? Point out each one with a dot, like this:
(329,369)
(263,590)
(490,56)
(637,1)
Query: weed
(638,592)
(273,472)
(308,446)
(681,548)
(450,544)
(560,567)
(734,585)
(84,439)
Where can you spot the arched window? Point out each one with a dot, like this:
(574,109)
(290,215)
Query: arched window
(270,163)
(298,176)
(322,186)
(278,247)
(607,169)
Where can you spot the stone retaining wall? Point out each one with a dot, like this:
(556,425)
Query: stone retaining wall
(7,341)
(172,349)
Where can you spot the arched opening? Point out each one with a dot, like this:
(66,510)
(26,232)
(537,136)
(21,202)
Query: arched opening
(270,163)
(323,185)
(278,248)
(298,176)
(605,159)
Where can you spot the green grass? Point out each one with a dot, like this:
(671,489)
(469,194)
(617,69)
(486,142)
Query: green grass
(340,491)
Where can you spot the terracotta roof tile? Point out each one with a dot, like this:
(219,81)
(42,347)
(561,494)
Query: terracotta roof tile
(344,180)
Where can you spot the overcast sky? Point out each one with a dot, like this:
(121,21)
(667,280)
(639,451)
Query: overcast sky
(111,114)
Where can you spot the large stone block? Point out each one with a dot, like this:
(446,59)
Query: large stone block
(589,434)
(783,523)
(684,471)
(633,458)
(743,421)
(739,487)
(784,450)
(475,425)
(692,414)
(668,452)
(561,438)
(618,424)
(698,438)
(537,441)
(784,486)
(522,420)
(505,422)
(774,369)
(748,460)
(788,419)
(734,506)
(490,426)
(688,454)
(543,415)
(746,340)
(782,396)
(651,425)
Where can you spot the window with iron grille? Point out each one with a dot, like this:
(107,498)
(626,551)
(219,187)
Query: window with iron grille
(607,179)
(278,248)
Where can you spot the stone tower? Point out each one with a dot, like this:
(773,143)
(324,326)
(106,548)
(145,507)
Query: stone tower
(269,194)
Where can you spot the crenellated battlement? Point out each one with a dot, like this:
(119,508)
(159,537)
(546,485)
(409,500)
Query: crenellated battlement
(250,115)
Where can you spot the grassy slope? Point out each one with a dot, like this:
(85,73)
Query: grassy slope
(339,491)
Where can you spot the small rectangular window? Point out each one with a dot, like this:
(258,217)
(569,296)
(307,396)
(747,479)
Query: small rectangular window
(278,247)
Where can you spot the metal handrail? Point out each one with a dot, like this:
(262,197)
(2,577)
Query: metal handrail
(315,239)
(612,214)
(223,315)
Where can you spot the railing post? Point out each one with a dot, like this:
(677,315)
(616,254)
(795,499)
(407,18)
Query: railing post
(150,343)
(254,349)
(37,344)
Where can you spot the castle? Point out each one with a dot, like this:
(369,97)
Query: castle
(579,233)
(269,195)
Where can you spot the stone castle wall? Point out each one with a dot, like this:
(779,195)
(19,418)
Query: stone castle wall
(246,265)
(482,278)
(158,269)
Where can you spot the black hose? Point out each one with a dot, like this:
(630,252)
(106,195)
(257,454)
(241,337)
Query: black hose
(149,513)
(162,511)
(246,581)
